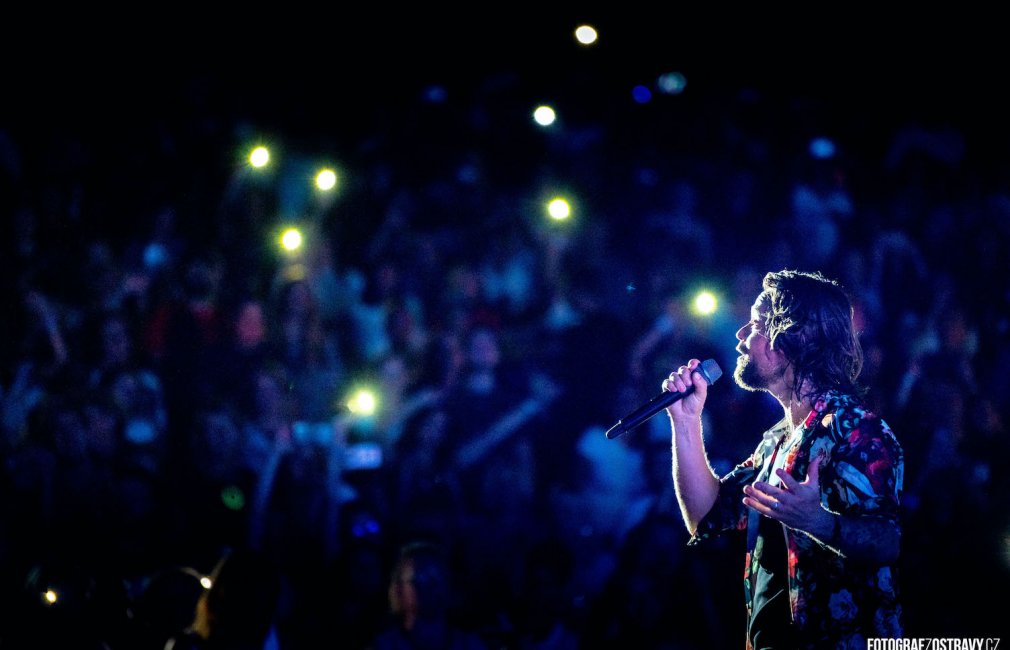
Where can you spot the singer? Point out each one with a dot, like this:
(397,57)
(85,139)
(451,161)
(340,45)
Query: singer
(819,498)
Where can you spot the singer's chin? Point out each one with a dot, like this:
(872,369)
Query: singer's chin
(745,375)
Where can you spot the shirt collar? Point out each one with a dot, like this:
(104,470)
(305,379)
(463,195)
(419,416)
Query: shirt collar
(827,402)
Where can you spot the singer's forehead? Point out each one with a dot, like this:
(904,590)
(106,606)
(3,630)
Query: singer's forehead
(760,307)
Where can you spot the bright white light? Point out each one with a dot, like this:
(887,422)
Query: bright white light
(205,582)
(544,115)
(585,34)
(259,157)
(291,239)
(50,596)
(326,179)
(363,402)
(705,303)
(559,209)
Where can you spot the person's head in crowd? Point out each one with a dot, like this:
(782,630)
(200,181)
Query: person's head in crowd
(116,342)
(300,333)
(104,423)
(201,281)
(443,361)
(395,376)
(419,585)
(88,428)
(424,448)
(271,404)
(295,301)
(405,329)
(250,324)
(384,283)
(483,349)
(218,450)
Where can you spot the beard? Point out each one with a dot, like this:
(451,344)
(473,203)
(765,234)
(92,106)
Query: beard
(746,375)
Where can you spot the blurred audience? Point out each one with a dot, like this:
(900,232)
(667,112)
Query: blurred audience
(170,388)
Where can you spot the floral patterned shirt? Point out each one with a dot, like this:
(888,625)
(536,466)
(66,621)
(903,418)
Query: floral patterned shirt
(836,601)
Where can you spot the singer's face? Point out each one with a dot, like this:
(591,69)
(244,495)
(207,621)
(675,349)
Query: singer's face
(758,366)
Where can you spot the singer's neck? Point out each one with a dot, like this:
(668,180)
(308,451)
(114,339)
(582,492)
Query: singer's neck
(795,407)
(796,410)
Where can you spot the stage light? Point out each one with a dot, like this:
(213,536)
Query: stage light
(50,597)
(544,115)
(206,582)
(705,303)
(671,83)
(362,402)
(559,210)
(585,34)
(259,157)
(291,239)
(326,180)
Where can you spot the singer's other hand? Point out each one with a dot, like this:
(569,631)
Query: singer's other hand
(685,377)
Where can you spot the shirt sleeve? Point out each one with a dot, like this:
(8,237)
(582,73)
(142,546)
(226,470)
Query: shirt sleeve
(728,511)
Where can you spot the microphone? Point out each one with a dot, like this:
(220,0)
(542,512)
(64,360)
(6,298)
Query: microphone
(708,369)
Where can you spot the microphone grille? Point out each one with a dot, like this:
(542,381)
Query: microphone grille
(710,370)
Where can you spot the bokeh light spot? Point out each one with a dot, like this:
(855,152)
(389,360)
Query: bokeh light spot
(586,34)
(362,402)
(544,115)
(641,94)
(671,83)
(326,180)
(558,209)
(259,157)
(232,497)
(705,303)
(822,148)
(291,239)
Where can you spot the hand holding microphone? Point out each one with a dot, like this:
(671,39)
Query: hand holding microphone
(678,386)
(691,380)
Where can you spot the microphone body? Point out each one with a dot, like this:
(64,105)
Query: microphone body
(708,369)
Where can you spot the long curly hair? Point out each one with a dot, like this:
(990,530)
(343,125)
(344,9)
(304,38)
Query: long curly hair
(810,321)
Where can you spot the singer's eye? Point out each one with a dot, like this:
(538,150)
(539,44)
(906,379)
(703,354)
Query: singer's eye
(755,328)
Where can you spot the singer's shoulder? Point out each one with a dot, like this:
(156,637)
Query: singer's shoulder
(852,420)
